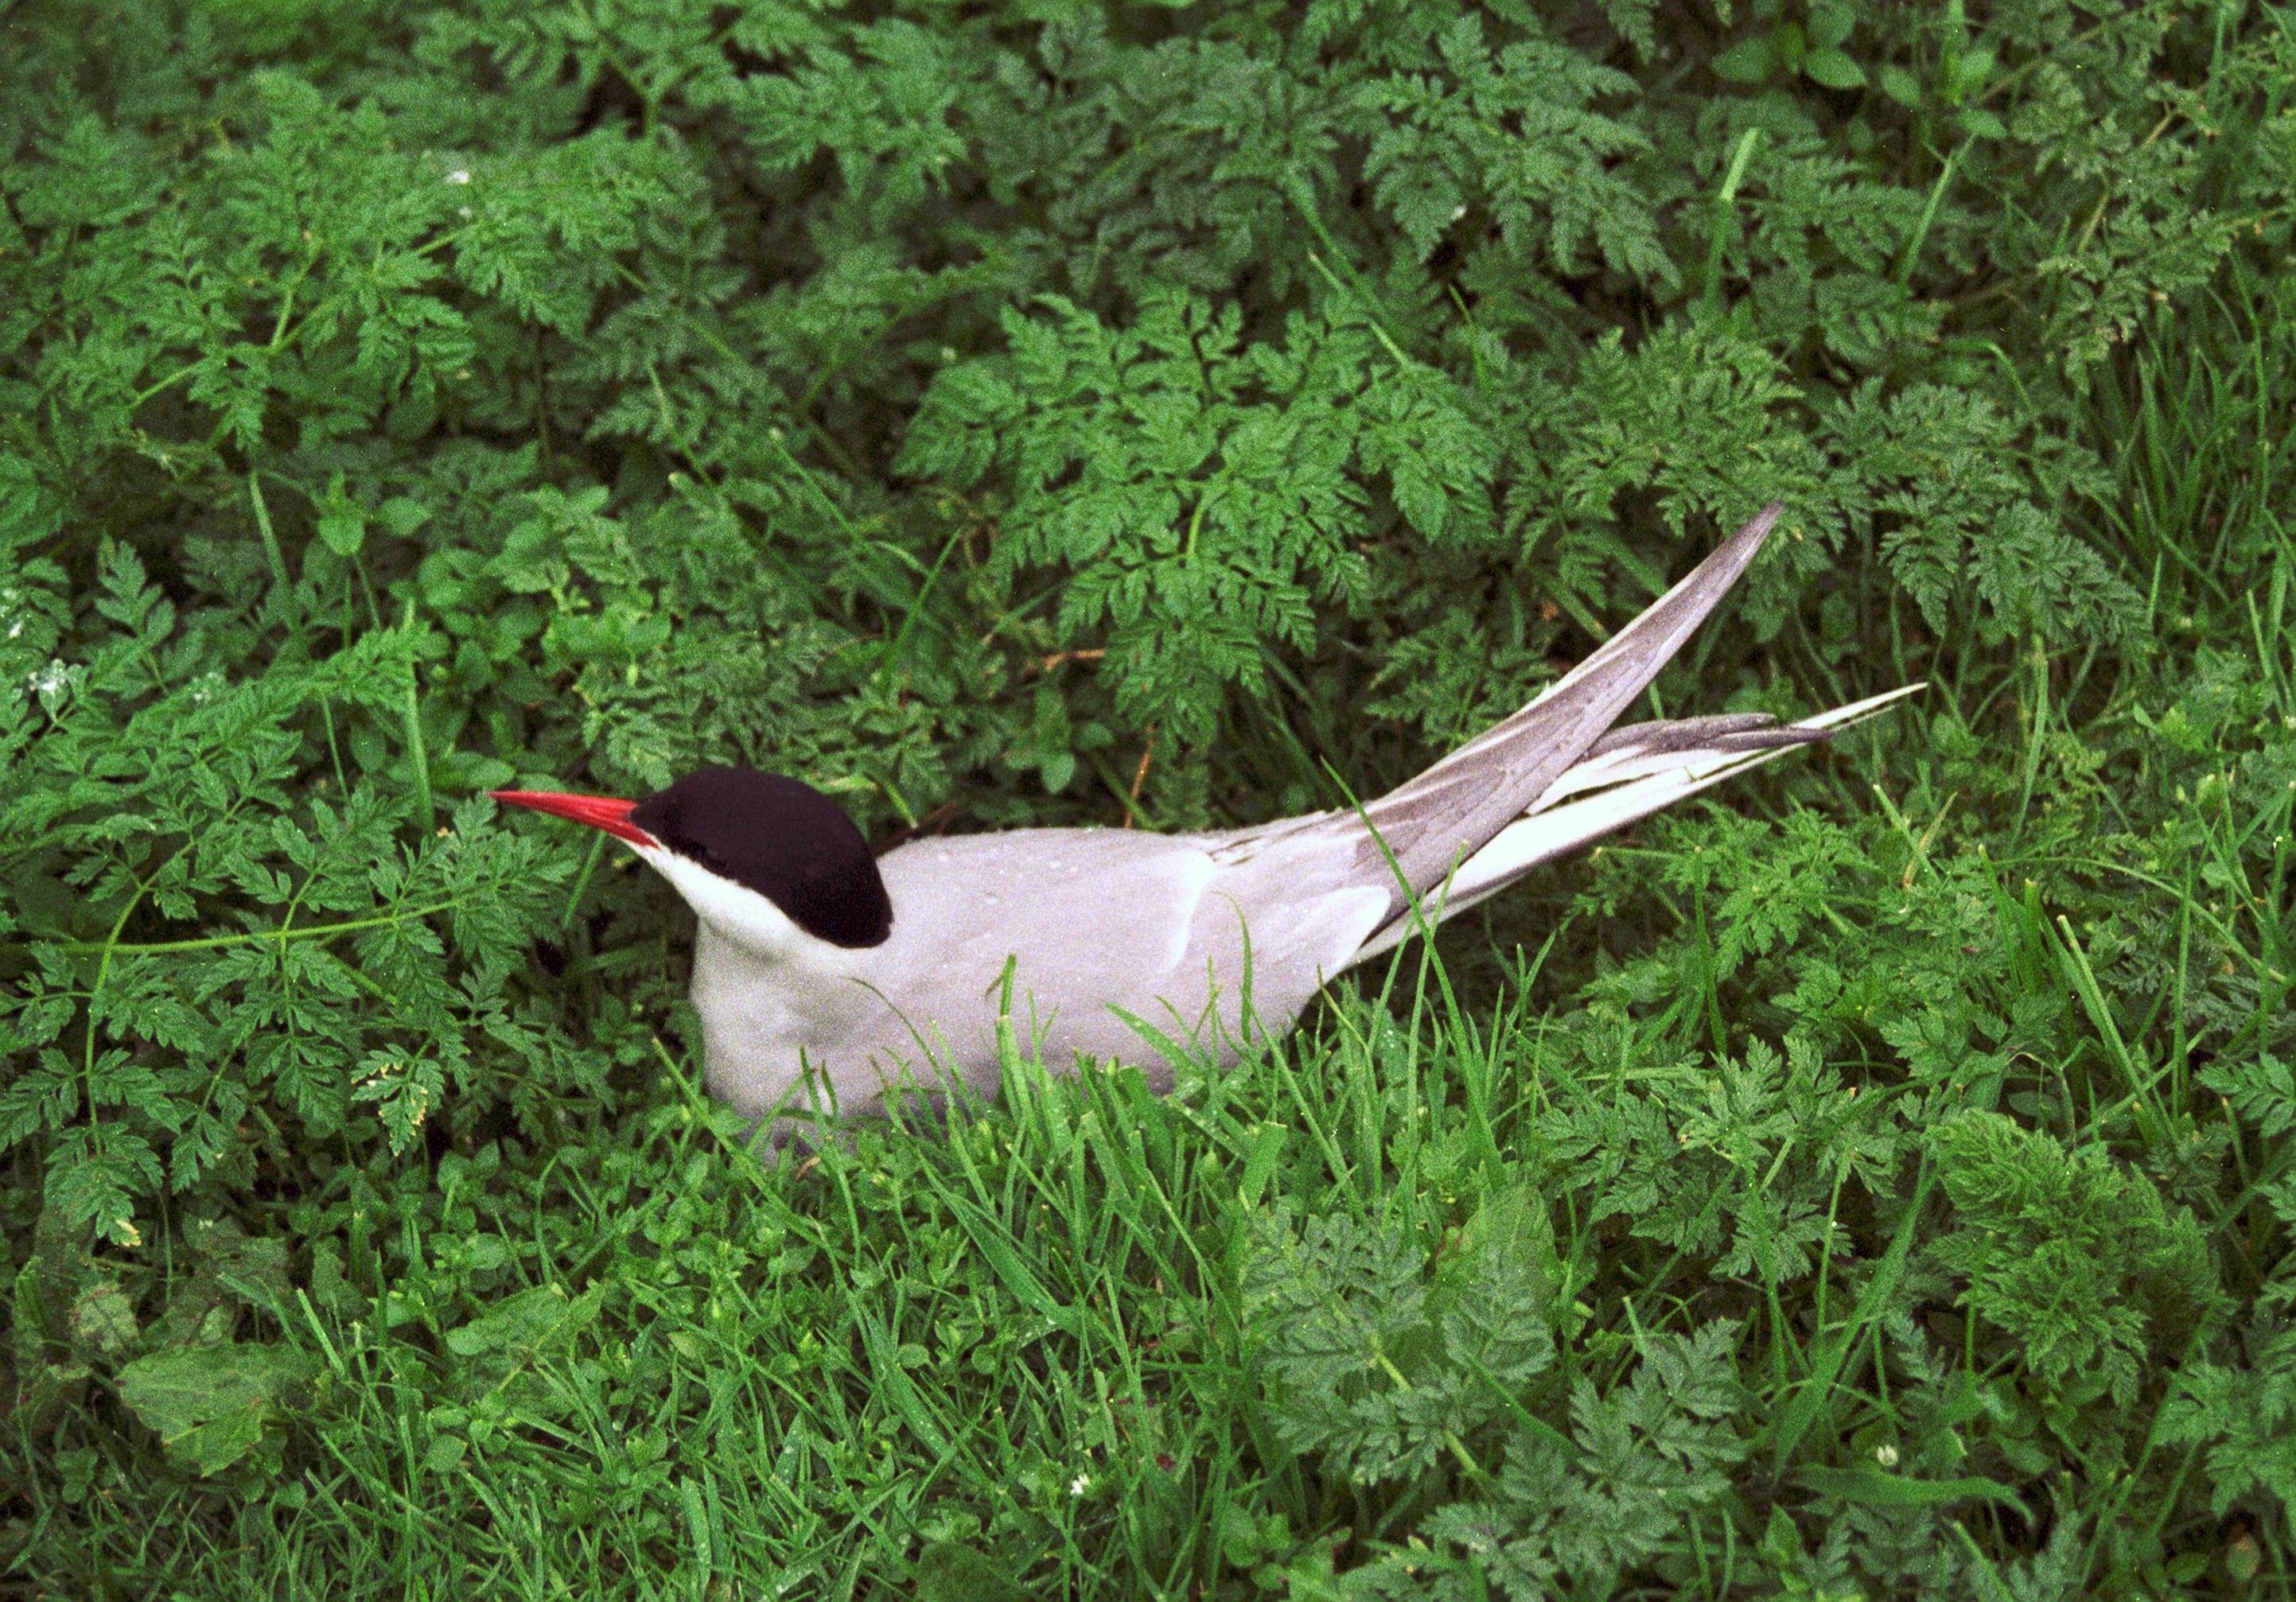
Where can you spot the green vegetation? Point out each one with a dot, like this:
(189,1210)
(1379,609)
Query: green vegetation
(1874,1181)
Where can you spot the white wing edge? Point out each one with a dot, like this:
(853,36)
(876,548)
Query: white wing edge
(1638,786)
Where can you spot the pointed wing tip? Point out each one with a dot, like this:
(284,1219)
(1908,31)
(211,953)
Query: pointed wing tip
(1724,564)
(1838,718)
(1757,528)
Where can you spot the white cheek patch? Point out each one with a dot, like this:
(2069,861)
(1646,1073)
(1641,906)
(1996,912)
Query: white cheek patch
(737,914)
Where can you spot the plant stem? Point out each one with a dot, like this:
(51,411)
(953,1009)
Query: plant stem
(312,931)
(417,754)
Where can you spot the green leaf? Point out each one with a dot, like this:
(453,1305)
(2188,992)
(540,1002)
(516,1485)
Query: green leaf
(1901,86)
(2261,1089)
(103,1319)
(2075,1254)
(949,1570)
(1829,26)
(1873,1488)
(342,523)
(403,517)
(892,1382)
(522,1324)
(405,1091)
(1832,68)
(209,1405)
(1267,1149)
(1006,1261)
(1748,61)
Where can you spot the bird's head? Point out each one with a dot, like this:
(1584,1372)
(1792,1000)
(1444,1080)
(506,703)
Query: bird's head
(768,863)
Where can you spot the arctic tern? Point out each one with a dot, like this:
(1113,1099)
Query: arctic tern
(826,980)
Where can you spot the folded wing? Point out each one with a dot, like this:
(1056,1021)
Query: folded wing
(1433,824)
(1628,775)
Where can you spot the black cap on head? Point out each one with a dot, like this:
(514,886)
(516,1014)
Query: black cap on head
(781,837)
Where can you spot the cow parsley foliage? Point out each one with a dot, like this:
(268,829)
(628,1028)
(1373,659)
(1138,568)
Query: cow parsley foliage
(1167,417)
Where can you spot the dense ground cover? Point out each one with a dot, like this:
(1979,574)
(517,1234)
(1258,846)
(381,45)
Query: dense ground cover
(1874,1181)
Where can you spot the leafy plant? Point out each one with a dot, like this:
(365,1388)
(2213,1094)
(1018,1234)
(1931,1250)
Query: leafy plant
(1875,1184)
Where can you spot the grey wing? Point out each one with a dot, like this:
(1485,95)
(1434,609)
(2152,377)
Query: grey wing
(1174,930)
(1282,913)
(1434,821)
(1087,917)
(1630,775)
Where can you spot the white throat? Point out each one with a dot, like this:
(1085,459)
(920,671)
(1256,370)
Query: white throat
(743,919)
(771,997)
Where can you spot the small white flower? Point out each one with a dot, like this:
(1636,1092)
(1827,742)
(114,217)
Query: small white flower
(1886,1455)
(1078,1485)
(464,212)
(1458,212)
(50,682)
(461,174)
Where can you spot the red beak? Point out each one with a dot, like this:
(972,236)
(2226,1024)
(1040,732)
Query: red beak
(599,812)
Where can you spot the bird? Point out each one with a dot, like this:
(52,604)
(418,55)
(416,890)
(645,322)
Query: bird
(831,982)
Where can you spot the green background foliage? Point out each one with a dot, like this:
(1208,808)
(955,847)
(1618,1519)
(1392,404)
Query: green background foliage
(1876,1184)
